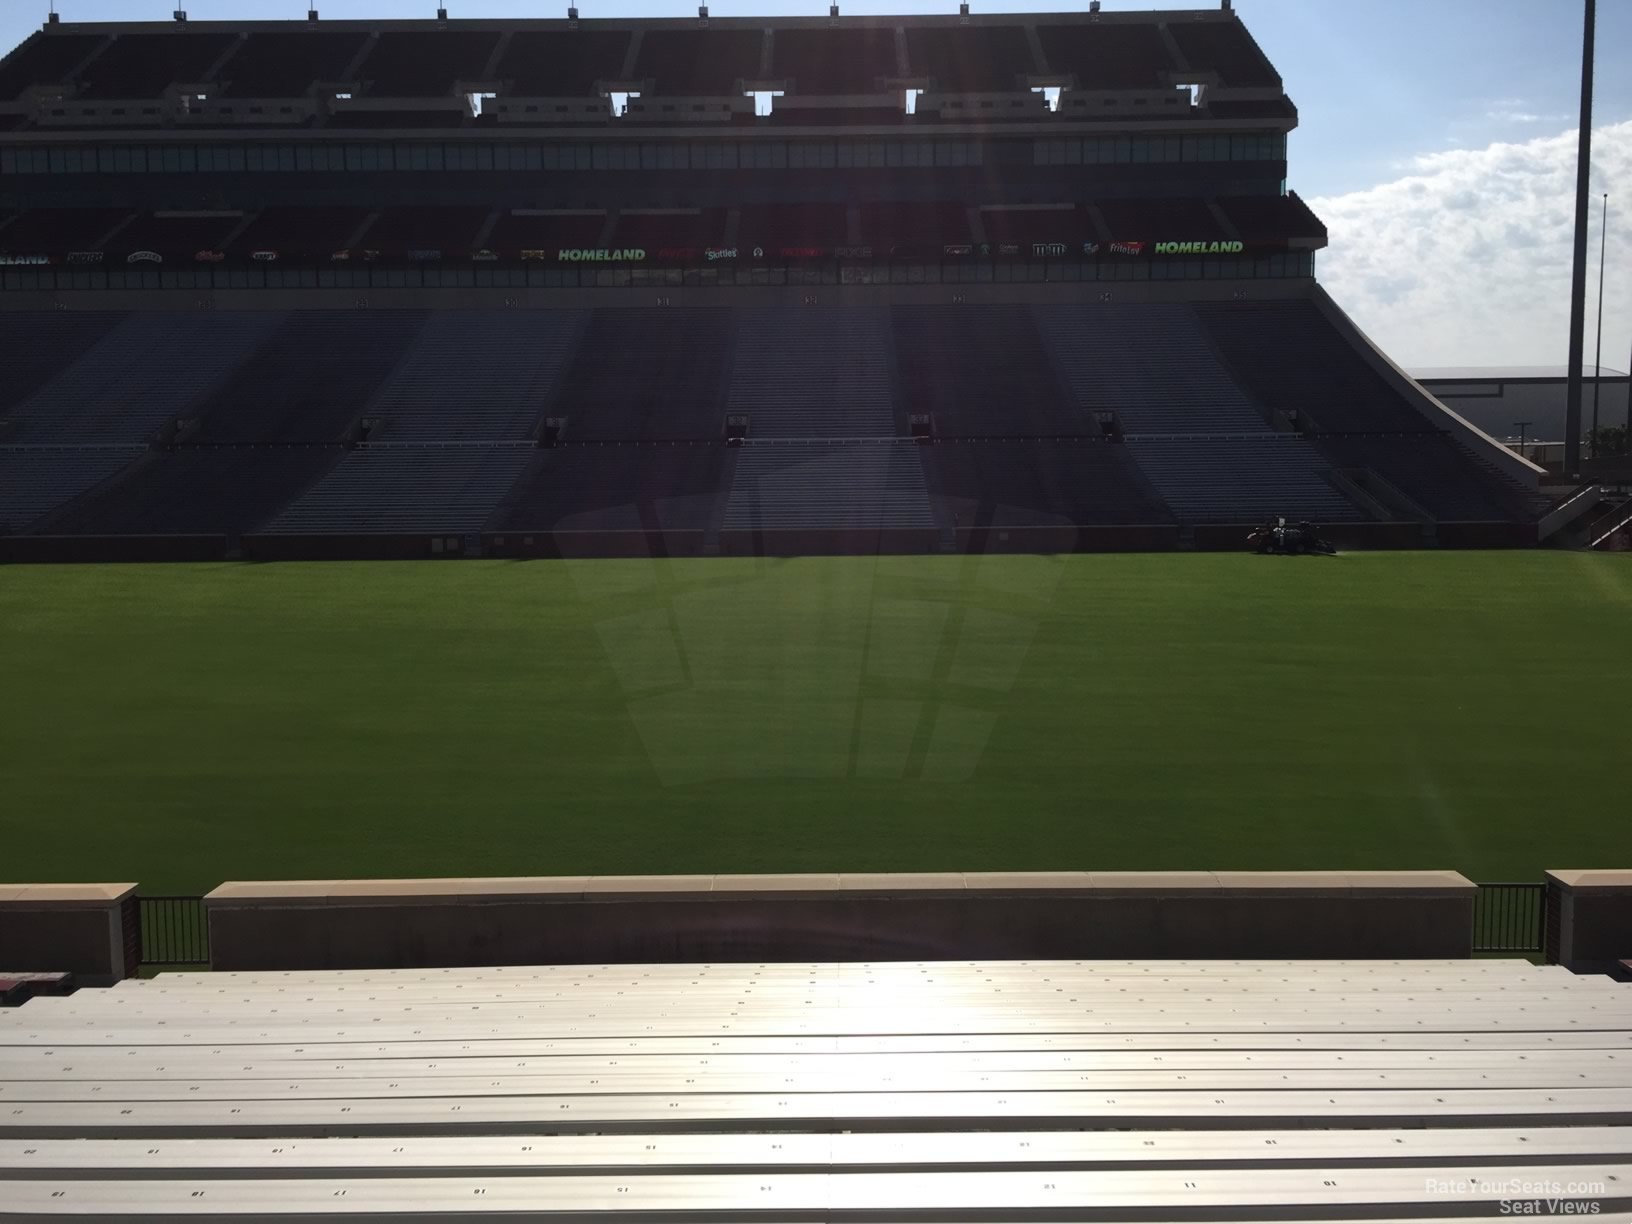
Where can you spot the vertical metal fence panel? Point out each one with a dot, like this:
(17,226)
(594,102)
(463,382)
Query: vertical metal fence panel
(175,931)
(1510,918)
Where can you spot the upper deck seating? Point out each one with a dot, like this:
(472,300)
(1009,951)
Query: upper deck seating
(1224,47)
(561,63)
(1026,226)
(55,231)
(833,60)
(450,230)
(1160,220)
(982,371)
(288,63)
(1151,365)
(1272,218)
(648,374)
(515,232)
(797,226)
(315,232)
(44,59)
(426,63)
(177,236)
(964,59)
(1108,55)
(691,231)
(145,65)
(915,225)
(699,63)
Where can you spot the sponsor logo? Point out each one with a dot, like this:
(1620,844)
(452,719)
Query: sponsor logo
(1128,248)
(1008,248)
(1200,248)
(958,249)
(24,261)
(535,254)
(425,256)
(1047,250)
(713,253)
(84,257)
(485,256)
(686,253)
(264,256)
(861,252)
(603,255)
(340,257)
(208,257)
(370,256)
(1090,248)
(985,248)
(796,252)
(144,257)
(759,252)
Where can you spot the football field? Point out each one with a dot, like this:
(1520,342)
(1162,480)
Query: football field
(181,725)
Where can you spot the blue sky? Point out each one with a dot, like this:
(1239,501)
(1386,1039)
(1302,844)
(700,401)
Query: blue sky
(1431,137)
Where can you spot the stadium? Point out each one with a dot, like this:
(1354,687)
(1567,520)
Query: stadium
(736,543)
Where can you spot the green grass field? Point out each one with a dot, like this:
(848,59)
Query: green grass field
(180,725)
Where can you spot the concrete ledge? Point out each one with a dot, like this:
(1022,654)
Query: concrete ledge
(1589,919)
(88,930)
(852,916)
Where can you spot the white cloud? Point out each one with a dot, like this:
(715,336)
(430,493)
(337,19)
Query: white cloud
(1466,258)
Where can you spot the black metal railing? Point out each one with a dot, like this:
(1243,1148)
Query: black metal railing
(1510,918)
(175,931)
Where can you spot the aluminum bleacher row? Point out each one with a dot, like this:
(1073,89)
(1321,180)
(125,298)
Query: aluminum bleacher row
(379,422)
(992,1091)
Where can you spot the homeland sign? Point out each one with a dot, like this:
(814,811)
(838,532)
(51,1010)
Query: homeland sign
(601,255)
(1200,248)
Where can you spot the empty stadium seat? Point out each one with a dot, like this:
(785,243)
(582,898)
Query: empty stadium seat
(1039,484)
(561,63)
(39,345)
(616,487)
(406,489)
(982,371)
(854,486)
(450,230)
(45,59)
(699,63)
(515,232)
(963,59)
(317,232)
(1149,364)
(693,230)
(1272,218)
(57,231)
(426,63)
(1224,47)
(1158,220)
(1108,56)
(144,66)
(912,224)
(775,227)
(801,373)
(35,480)
(476,375)
(1435,474)
(288,63)
(818,60)
(648,374)
(1242,480)
(177,236)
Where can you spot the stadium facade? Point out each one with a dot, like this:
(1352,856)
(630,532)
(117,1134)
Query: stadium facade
(691,286)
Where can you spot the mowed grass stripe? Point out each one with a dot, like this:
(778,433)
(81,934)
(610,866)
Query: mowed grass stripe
(180,725)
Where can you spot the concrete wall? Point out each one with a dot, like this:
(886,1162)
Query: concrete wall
(1589,919)
(656,919)
(89,930)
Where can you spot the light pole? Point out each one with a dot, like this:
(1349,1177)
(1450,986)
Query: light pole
(1598,358)
(1521,426)
(1578,266)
